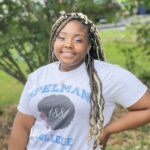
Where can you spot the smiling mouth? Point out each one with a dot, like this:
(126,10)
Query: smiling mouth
(67,54)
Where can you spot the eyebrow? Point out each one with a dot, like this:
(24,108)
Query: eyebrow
(78,34)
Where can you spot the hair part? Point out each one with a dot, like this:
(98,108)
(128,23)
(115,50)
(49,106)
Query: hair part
(96,52)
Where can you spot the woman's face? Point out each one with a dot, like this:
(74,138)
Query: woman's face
(71,45)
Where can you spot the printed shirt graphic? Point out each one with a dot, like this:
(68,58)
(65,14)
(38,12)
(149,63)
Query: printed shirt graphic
(57,111)
(60,103)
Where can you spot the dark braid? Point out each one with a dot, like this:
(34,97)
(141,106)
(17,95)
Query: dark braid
(96,52)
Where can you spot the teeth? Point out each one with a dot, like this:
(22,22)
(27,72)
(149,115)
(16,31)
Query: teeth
(67,54)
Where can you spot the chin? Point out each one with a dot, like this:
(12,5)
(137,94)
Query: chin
(70,62)
(67,62)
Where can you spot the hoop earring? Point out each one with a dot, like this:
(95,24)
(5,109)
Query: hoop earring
(87,59)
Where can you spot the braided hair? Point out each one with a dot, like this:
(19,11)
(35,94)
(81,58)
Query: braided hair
(96,52)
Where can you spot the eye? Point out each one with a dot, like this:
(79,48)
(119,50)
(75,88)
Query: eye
(78,40)
(61,38)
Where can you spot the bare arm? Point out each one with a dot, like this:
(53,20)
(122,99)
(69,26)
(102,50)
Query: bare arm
(20,131)
(138,115)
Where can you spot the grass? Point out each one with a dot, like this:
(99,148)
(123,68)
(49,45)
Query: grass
(114,41)
(112,46)
(10,90)
(136,139)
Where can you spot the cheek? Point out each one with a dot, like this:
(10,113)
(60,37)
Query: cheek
(57,49)
(84,51)
(57,46)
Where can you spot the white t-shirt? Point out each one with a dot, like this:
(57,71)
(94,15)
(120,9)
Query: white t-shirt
(60,103)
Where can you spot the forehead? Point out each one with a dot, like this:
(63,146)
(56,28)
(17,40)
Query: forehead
(74,26)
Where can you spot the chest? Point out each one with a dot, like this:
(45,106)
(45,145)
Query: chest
(59,96)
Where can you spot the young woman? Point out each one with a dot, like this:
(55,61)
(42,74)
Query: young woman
(68,104)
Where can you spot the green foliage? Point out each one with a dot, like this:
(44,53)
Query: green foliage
(24,35)
(138,55)
(25,28)
(10,90)
(97,9)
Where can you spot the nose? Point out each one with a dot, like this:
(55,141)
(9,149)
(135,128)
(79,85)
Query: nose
(68,44)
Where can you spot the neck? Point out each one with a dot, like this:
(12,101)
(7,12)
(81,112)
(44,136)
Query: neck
(65,68)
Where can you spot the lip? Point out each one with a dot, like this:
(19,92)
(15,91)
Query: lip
(67,53)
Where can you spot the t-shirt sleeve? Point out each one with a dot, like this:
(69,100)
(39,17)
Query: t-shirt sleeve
(23,105)
(127,89)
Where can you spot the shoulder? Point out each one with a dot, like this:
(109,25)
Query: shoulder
(116,76)
(43,70)
(103,65)
(119,84)
(104,69)
(114,72)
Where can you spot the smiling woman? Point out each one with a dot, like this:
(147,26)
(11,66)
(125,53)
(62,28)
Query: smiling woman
(68,104)
(71,46)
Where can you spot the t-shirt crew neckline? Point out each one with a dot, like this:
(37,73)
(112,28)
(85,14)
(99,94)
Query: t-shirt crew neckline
(71,71)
